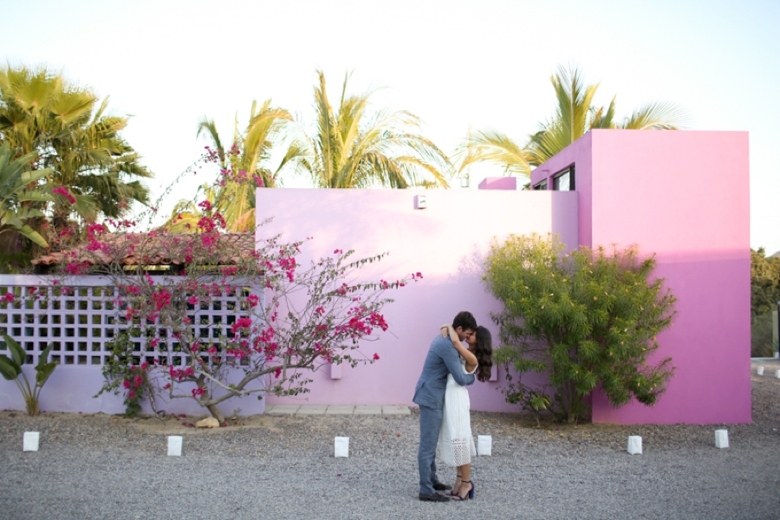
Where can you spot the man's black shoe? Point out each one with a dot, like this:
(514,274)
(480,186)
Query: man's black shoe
(434,498)
(441,487)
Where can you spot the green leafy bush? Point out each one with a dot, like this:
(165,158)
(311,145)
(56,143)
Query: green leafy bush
(764,283)
(762,341)
(586,319)
(121,374)
(11,369)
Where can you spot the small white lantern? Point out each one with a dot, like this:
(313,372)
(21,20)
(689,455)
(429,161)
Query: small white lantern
(341,447)
(635,445)
(484,445)
(174,445)
(30,441)
(760,371)
(721,438)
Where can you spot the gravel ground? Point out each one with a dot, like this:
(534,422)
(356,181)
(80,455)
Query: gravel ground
(95,467)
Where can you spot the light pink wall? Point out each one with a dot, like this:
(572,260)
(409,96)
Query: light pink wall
(498,183)
(71,388)
(446,242)
(684,196)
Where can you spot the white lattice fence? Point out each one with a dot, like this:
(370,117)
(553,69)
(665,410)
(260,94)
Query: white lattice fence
(80,319)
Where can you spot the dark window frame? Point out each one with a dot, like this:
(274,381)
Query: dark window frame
(557,176)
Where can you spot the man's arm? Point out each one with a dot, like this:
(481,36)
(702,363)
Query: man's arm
(452,362)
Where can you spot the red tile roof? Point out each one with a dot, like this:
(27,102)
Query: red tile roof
(159,249)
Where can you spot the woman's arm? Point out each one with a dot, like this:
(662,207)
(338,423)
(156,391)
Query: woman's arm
(471,359)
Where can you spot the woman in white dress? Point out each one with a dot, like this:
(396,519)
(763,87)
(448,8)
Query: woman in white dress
(456,444)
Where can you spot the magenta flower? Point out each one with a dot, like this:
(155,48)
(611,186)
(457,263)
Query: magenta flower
(65,193)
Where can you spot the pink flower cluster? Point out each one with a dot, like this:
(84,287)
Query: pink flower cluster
(134,382)
(288,265)
(7,298)
(65,193)
(240,177)
(161,299)
(77,268)
(241,323)
(179,373)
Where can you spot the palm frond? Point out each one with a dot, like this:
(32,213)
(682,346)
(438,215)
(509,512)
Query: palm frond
(498,148)
(657,116)
(207,126)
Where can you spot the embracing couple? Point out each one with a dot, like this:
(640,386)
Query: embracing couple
(445,418)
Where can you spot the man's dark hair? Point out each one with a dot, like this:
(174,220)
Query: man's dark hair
(465,320)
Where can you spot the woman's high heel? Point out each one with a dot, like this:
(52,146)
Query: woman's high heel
(469,495)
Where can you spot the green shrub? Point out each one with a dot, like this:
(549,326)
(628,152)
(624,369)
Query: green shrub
(761,341)
(585,319)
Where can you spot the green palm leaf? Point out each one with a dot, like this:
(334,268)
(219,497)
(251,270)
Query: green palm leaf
(574,116)
(351,148)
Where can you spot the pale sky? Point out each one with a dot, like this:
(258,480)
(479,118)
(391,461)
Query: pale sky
(453,63)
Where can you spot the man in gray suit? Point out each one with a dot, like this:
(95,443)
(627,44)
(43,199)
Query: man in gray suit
(442,359)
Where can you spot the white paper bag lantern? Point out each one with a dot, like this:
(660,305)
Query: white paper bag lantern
(341,447)
(777,373)
(174,445)
(760,371)
(721,438)
(484,445)
(635,445)
(30,442)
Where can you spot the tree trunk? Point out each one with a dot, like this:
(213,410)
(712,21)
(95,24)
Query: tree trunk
(212,408)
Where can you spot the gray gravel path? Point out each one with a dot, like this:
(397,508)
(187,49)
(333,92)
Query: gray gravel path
(95,467)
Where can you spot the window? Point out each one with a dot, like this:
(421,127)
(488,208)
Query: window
(541,185)
(564,180)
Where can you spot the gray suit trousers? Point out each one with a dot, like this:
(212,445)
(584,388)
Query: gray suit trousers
(430,424)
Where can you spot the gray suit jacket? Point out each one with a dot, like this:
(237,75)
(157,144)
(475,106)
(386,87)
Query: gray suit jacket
(442,359)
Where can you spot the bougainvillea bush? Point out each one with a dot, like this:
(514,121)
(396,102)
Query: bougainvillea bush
(235,316)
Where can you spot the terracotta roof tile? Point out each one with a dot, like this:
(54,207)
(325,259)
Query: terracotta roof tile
(157,250)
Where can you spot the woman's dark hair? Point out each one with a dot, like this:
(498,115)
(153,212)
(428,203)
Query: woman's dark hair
(483,350)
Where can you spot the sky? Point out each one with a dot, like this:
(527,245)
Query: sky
(455,64)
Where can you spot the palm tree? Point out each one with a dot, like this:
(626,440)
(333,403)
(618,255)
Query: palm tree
(15,191)
(575,115)
(186,214)
(81,144)
(352,149)
(247,159)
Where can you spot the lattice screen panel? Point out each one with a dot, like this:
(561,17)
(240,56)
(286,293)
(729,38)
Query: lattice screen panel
(80,320)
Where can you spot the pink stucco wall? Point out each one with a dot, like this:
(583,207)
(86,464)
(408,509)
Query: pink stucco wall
(446,242)
(683,196)
(498,183)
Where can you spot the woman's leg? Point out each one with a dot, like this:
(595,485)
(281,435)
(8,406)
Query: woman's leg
(458,478)
(465,476)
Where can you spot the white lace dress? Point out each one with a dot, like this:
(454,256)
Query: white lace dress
(456,445)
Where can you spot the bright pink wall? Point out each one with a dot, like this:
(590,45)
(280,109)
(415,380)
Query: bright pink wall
(683,196)
(446,242)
